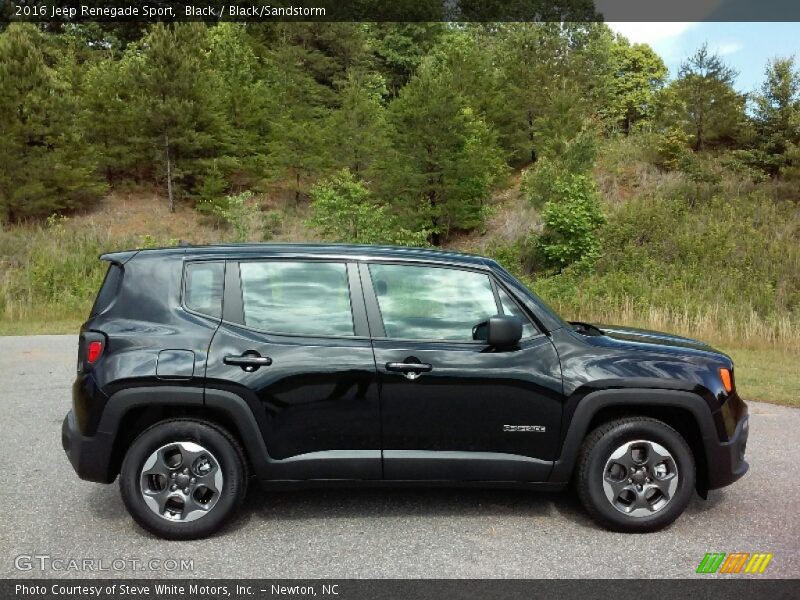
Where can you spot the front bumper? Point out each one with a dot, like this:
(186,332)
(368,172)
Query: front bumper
(90,455)
(726,461)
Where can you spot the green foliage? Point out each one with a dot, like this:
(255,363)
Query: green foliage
(553,77)
(671,146)
(777,118)
(573,157)
(702,99)
(271,224)
(400,48)
(447,157)
(571,222)
(358,125)
(240,212)
(343,212)
(44,166)
(638,74)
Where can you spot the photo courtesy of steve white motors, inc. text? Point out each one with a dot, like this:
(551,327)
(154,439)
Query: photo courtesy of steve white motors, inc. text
(172,589)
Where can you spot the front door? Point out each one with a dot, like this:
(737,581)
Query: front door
(453,408)
(294,344)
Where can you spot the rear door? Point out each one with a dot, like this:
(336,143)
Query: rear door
(294,344)
(452,407)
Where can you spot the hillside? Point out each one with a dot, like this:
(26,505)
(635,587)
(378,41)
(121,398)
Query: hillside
(725,270)
(620,194)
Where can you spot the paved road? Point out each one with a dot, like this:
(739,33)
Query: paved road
(370,533)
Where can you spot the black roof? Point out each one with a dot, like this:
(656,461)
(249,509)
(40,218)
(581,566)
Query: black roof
(317,250)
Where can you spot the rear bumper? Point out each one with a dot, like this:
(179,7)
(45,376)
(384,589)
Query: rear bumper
(726,462)
(90,455)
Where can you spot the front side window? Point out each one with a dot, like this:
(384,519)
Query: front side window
(307,298)
(511,309)
(431,303)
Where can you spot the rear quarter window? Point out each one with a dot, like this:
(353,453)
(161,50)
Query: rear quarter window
(203,288)
(108,290)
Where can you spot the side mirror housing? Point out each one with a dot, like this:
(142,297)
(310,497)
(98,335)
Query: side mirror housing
(499,331)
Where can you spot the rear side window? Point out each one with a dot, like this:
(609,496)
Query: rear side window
(306,298)
(203,288)
(108,291)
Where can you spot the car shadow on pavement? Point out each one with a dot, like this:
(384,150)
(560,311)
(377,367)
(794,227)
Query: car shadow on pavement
(404,502)
(401,502)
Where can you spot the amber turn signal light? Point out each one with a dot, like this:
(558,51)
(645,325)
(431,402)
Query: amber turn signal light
(727,379)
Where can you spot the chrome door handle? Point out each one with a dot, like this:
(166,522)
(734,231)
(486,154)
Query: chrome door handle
(410,370)
(248,362)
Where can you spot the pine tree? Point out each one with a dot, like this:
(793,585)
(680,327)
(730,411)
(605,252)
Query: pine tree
(446,157)
(543,65)
(357,129)
(45,166)
(297,147)
(777,113)
(712,110)
(178,115)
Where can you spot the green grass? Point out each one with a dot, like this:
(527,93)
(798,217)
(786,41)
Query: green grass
(768,375)
(42,327)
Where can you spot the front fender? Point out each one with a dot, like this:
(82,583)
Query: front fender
(595,401)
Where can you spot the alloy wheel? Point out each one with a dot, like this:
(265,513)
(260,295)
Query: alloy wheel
(181,481)
(640,478)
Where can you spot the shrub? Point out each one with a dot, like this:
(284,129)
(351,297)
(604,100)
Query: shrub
(240,213)
(343,212)
(571,220)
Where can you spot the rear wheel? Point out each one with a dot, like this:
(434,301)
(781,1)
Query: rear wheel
(182,478)
(635,474)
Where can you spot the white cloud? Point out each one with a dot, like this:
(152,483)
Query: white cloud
(650,33)
(728,48)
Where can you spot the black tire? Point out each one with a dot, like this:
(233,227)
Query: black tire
(597,450)
(223,447)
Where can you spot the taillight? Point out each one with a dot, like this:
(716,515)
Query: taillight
(93,351)
(727,379)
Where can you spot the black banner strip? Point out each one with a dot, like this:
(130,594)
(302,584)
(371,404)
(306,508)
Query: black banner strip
(710,588)
(400,10)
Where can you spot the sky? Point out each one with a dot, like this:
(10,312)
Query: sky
(744,46)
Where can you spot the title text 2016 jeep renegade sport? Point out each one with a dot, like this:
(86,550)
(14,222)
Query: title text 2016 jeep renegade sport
(309,365)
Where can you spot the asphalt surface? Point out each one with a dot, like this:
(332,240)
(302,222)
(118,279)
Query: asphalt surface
(48,511)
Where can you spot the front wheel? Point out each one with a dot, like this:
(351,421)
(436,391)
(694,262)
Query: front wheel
(182,478)
(635,474)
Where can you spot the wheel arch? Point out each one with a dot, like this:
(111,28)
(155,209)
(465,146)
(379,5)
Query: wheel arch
(685,412)
(131,411)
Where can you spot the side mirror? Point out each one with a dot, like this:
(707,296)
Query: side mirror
(499,331)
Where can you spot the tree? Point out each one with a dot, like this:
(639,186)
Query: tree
(297,146)
(45,166)
(446,157)
(358,127)
(712,110)
(246,103)
(400,48)
(343,211)
(638,74)
(554,75)
(777,113)
(178,115)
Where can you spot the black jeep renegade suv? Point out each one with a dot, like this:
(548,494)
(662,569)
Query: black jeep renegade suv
(200,367)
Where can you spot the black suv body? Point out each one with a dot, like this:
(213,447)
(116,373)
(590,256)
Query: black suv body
(200,367)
